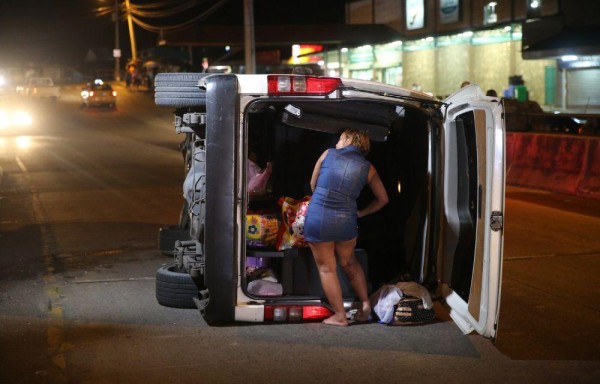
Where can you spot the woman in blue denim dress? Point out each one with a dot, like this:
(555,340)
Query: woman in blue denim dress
(331,220)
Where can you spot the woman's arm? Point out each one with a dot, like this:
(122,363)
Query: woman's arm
(381,197)
(315,174)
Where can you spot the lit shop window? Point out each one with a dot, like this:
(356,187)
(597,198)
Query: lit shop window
(489,13)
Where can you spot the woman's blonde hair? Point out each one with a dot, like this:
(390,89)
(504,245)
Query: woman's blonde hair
(359,139)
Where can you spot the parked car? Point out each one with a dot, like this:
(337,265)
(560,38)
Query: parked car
(528,116)
(442,164)
(98,93)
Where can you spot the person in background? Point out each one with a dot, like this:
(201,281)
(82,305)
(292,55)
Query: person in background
(330,226)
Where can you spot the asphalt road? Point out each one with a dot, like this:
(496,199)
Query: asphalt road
(82,199)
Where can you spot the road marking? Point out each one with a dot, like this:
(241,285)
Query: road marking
(112,280)
(55,331)
(22,166)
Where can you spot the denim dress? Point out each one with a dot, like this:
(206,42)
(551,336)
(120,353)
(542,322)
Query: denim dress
(331,214)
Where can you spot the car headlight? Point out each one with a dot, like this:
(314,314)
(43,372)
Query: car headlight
(15,119)
(22,118)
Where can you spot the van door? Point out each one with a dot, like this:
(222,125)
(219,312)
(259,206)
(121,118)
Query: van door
(473,206)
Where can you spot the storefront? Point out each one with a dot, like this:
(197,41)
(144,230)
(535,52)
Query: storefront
(438,65)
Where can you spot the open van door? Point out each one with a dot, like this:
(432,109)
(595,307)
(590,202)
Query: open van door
(473,204)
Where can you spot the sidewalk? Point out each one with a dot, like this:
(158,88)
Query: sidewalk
(565,202)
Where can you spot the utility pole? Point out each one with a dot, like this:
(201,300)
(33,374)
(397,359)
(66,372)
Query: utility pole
(117,52)
(131,35)
(249,49)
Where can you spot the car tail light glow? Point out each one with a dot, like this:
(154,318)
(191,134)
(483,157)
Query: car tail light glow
(315,313)
(305,85)
(281,313)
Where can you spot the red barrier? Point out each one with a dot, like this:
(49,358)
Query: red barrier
(590,182)
(558,163)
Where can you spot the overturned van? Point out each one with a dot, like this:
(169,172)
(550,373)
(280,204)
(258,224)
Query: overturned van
(442,164)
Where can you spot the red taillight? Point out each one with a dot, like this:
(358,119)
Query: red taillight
(295,313)
(302,85)
(315,313)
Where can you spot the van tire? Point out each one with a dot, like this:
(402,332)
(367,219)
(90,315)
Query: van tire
(175,303)
(177,102)
(179,90)
(178,79)
(168,235)
(175,289)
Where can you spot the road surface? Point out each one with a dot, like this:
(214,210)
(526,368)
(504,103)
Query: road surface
(82,196)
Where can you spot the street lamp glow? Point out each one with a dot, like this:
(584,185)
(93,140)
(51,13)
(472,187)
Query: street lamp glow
(23,142)
(569,58)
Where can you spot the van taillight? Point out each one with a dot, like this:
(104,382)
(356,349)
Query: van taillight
(315,313)
(304,85)
(281,313)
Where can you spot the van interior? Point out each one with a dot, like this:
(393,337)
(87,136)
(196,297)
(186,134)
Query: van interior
(291,136)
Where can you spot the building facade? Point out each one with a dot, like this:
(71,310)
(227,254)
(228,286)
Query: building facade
(442,43)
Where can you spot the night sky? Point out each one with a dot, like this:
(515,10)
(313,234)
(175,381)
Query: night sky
(62,31)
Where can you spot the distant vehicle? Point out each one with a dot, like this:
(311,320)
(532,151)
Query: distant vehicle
(40,87)
(98,93)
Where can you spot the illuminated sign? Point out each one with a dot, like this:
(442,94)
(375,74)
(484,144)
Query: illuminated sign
(449,11)
(415,14)
(305,53)
(489,13)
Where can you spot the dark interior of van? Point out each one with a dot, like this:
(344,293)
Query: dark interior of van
(292,136)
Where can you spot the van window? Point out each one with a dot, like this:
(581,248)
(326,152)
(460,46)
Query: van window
(468,193)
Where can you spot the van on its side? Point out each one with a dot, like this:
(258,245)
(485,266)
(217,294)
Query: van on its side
(441,162)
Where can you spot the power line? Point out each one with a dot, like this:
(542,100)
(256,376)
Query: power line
(137,13)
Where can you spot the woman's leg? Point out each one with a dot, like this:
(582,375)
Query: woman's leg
(324,254)
(345,252)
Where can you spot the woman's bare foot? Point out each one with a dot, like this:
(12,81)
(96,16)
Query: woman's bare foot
(363,314)
(335,320)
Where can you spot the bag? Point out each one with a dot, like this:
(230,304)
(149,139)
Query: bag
(261,230)
(258,178)
(291,230)
(411,311)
